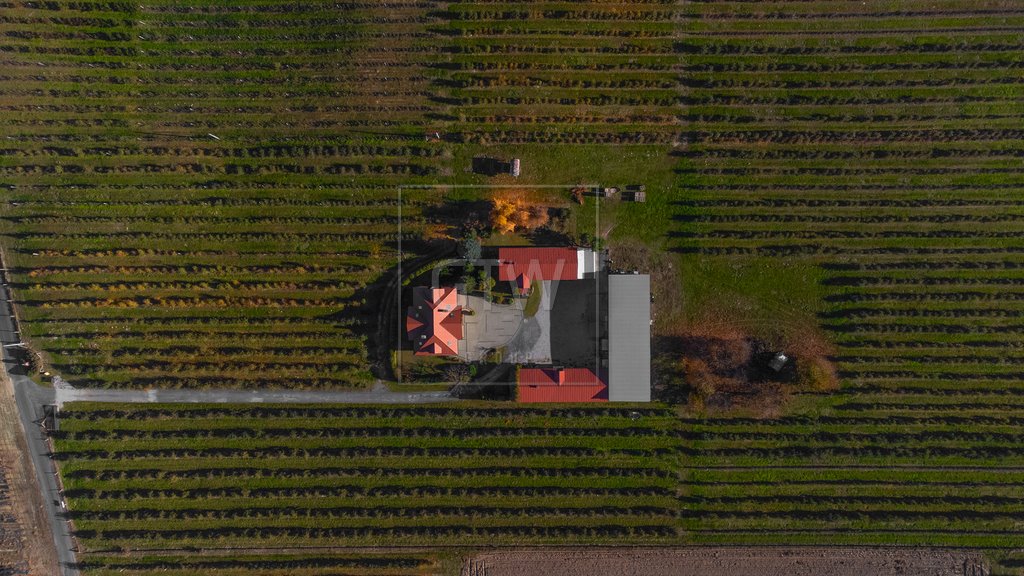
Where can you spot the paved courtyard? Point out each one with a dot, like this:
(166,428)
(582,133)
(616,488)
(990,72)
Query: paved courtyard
(494,326)
(532,344)
(571,308)
(490,326)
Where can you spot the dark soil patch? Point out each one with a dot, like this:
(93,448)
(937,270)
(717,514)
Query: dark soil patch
(723,368)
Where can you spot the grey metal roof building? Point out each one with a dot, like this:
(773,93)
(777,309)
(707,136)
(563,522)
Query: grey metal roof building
(629,338)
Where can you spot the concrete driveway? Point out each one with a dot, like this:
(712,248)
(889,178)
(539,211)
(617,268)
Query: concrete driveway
(526,340)
(490,326)
(532,343)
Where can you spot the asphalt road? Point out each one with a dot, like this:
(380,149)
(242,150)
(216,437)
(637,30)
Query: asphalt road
(30,399)
(379,395)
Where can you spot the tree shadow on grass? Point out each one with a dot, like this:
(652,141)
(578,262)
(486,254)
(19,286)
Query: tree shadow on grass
(376,311)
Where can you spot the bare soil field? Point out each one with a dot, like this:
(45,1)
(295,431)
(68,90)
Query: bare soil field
(730,561)
(25,543)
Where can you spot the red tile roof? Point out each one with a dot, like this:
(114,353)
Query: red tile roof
(434,321)
(523,265)
(565,385)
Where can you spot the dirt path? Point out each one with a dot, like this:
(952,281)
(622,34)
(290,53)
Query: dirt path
(25,542)
(730,561)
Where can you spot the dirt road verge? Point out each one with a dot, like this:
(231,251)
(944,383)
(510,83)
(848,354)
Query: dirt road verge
(730,561)
(26,543)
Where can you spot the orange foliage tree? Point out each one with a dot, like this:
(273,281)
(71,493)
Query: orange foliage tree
(511,214)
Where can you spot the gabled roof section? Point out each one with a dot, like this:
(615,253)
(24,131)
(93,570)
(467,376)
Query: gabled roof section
(561,385)
(434,321)
(526,265)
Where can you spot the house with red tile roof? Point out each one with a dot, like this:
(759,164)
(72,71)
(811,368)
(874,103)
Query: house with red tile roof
(599,318)
(560,385)
(434,321)
(527,265)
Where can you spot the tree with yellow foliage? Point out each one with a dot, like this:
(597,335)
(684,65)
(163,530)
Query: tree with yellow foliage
(511,214)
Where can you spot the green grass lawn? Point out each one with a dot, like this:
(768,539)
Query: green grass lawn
(533,300)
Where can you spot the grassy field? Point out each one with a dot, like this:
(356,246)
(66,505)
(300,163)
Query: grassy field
(206,194)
